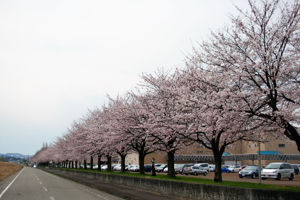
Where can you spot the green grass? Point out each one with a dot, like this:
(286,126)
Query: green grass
(198,180)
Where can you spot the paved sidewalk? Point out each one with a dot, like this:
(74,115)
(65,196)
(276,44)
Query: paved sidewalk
(118,190)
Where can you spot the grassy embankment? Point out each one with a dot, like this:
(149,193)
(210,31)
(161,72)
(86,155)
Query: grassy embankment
(201,180)
(7,169)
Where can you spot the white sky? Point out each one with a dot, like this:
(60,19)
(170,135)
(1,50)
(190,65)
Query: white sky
(59,58)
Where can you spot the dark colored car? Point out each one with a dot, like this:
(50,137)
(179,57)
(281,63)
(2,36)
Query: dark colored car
(147,168)
(296,169)
(178,168)
(249,171)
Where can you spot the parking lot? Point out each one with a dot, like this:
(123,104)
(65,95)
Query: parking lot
(235,177)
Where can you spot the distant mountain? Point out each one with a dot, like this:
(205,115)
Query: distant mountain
(15,155)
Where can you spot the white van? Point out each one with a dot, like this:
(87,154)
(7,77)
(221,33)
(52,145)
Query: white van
(278,171)
(204,166)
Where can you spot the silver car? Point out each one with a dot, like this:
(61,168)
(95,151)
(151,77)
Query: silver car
(278,171)
(195,170)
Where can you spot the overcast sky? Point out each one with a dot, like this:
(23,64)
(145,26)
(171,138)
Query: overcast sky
(59,58)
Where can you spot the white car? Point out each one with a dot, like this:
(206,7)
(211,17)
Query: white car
(234,168)
(161,168)
(95,167)
(134,168)
(117,167)
(104,167)
(278,171)
(211,168)
(166,170)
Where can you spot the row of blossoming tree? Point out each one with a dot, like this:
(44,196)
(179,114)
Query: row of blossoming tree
(240,84)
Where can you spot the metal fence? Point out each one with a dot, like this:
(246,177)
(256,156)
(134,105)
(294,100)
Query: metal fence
(237,157)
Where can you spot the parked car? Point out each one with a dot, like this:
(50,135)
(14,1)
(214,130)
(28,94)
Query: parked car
(224,169)
(195,170)
(235,168)
(249,171)
(104,167)
(204,166)
(113,166)
(161,168)
(178,168)
(296,168)
(117,167)
(165,170)
(244,166)
(134,168)
(147,168)
(278,171)
(95,167)
(158,165)
(188,166)
(211,167)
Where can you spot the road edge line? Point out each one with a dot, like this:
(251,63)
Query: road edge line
(10,184)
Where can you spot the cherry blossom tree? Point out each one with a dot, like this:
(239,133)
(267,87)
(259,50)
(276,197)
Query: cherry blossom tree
(196,105)
(128,119)
(215,120)
(102,135)
(161,107)
(40,156)
(259,53)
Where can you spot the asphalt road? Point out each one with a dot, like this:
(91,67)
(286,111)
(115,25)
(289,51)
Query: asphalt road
(35,184)
(114,189)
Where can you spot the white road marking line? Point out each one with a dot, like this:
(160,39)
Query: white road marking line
(57,177)
(10,184)
(45,189)
(93,193)
(41,183)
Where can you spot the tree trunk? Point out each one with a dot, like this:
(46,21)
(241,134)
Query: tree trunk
(142,162)
(91,164)
(76,164)
(171,169)
(292,133)
(108,163)
(218,171)
(84,164)
(122,162)
(218,163)
(99,162)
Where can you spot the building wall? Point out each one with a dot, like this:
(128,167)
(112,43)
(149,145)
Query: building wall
(244,147)
(132,159)
(276,145)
